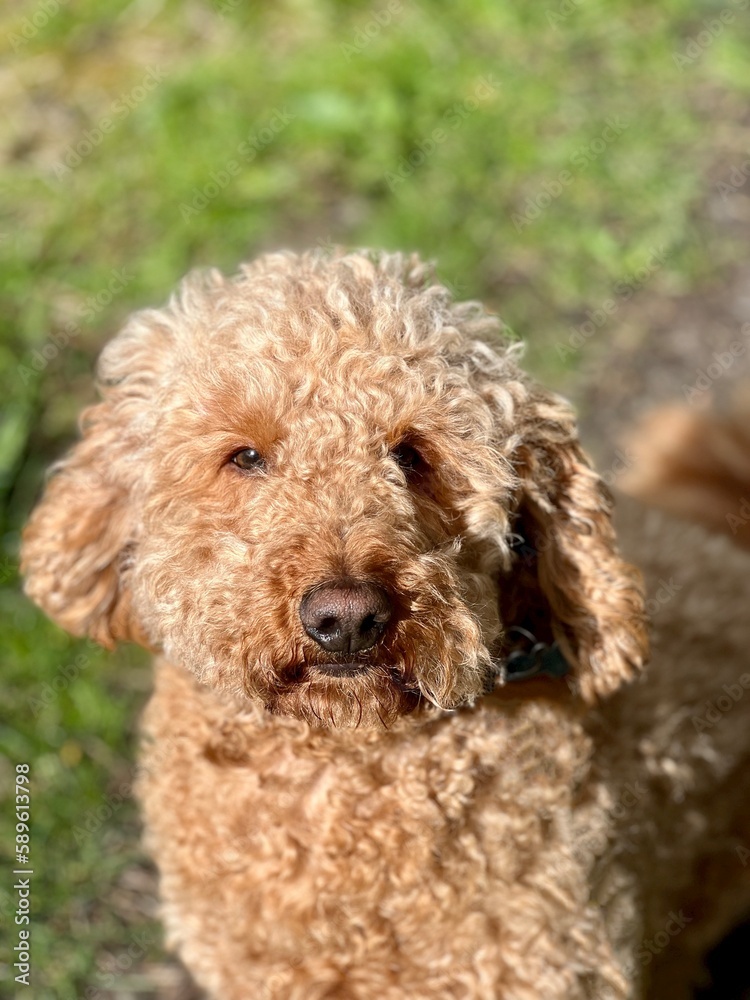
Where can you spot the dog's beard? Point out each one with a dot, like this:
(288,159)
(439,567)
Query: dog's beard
(371,699)
(373,691)
(436,654)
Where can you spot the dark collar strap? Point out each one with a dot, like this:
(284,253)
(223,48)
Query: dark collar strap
(532,658)
(538,659)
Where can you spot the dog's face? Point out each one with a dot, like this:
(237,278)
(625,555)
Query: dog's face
(303,485)
(305,535)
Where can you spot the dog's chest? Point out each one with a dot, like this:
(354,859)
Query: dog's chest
(468,798)
(411,854)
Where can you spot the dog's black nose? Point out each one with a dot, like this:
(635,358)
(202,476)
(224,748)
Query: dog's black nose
(345,617)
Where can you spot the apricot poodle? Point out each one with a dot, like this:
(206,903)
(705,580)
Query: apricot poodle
(391,752)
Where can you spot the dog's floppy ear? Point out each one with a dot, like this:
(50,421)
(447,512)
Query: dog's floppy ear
(76,543)
(567,582)
(80,543)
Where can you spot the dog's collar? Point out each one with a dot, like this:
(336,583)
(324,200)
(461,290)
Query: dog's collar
(534,659)
(530,658)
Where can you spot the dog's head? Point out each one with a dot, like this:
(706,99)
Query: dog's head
(308,485)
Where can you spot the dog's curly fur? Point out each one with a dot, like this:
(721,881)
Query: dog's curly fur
(695,463)
(411,828)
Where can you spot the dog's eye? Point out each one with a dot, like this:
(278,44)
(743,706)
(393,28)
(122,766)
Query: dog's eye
(408,458)
(248,459)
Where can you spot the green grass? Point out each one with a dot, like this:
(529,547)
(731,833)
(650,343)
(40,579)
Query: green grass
(517,95)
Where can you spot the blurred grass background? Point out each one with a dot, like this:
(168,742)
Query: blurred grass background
(327,110)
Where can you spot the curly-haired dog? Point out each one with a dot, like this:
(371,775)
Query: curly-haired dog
(331,500)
